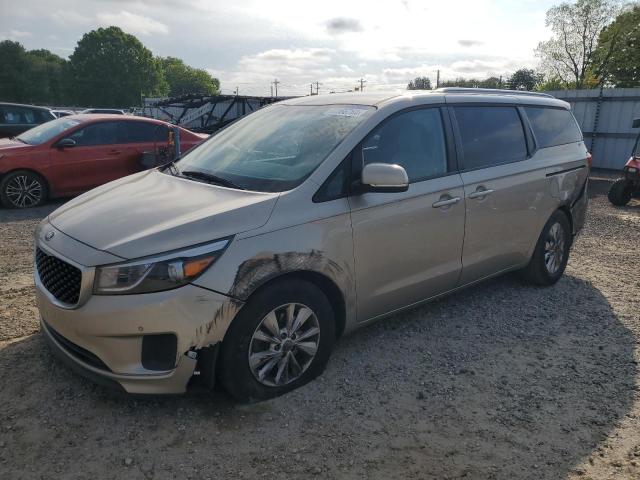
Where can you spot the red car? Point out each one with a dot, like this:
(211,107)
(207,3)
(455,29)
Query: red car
(73,154)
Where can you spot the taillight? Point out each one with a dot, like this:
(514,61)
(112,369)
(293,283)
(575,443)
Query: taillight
(589,159)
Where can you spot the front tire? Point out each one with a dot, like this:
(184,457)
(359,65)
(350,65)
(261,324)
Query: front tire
(551,254)
(281,339)
(23,189)
(621,192)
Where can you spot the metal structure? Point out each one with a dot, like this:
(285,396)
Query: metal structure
(203,113)
(605,117)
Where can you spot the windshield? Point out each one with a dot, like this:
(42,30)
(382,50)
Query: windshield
(45,132)
(276,148)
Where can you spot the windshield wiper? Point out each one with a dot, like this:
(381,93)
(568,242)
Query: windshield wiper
(210,178)
(19,139)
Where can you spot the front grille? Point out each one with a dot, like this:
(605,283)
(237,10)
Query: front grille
(61,279)
(77,351)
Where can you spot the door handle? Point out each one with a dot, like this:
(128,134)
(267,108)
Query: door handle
(480,193)
(445,202)
(115,151)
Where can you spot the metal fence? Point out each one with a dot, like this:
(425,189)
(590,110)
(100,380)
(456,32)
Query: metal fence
(605,117)
(203,113)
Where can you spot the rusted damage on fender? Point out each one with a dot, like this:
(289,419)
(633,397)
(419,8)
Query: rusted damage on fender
(258,270)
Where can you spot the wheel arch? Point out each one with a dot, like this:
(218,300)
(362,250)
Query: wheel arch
(322,282)
(567,211)
(4,174)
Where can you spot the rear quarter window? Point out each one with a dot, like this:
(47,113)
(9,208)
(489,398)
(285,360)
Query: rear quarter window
(143,132)
(553,126)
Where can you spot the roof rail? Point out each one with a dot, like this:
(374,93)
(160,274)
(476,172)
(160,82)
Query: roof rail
(491,90)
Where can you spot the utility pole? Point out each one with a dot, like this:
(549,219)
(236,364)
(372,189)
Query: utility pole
(271,90)
(362,82)
(317,87)
(438,79)
(311,89)
(275,83)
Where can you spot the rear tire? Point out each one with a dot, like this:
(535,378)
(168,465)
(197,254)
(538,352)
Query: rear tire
(263,355)
(23,189)
(621,192)
(551,254)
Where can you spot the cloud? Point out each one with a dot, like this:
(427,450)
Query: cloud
(16,34)
(133,23)
(69,17)
(340,25)
(470,43)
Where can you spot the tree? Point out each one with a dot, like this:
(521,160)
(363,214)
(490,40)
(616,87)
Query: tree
(618,51)
(570,53)
(45,79)
(524,79)
(110,68)
(491,82)
(183,79)
(420,83)
(13,72)
(551,83)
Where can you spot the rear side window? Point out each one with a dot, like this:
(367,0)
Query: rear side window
(490,136)
(553,126)
(142,132)
(414,139)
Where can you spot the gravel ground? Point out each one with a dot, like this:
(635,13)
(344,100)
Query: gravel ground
(498,381)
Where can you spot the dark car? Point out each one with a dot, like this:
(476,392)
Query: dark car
(16,118)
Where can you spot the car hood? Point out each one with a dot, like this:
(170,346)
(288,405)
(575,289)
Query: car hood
(6,144)
(152,212)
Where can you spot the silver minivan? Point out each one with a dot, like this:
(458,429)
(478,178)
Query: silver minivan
(243,262)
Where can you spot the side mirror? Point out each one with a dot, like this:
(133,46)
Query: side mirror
(384,177)
(636,123)
(66,143)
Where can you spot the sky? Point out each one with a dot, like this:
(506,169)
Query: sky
(249,43)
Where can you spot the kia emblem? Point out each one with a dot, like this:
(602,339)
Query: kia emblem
(49,235)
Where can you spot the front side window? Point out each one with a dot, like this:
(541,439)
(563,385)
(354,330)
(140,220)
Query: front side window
(490,136)
(414,140)
(47,131)
(553,126)
(276,148)
(103,133)
(18,115)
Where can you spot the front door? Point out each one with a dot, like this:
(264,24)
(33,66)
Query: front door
(408,246)
(98,157)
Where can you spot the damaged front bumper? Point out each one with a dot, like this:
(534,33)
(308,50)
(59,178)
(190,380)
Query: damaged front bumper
(147,343)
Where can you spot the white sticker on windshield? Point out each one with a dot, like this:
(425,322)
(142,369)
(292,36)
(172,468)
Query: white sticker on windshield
(347,111)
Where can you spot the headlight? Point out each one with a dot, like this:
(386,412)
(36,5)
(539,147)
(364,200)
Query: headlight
(154,274)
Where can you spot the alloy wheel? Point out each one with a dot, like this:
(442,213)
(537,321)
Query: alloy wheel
(24,191)
(554,249)
(284,344)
